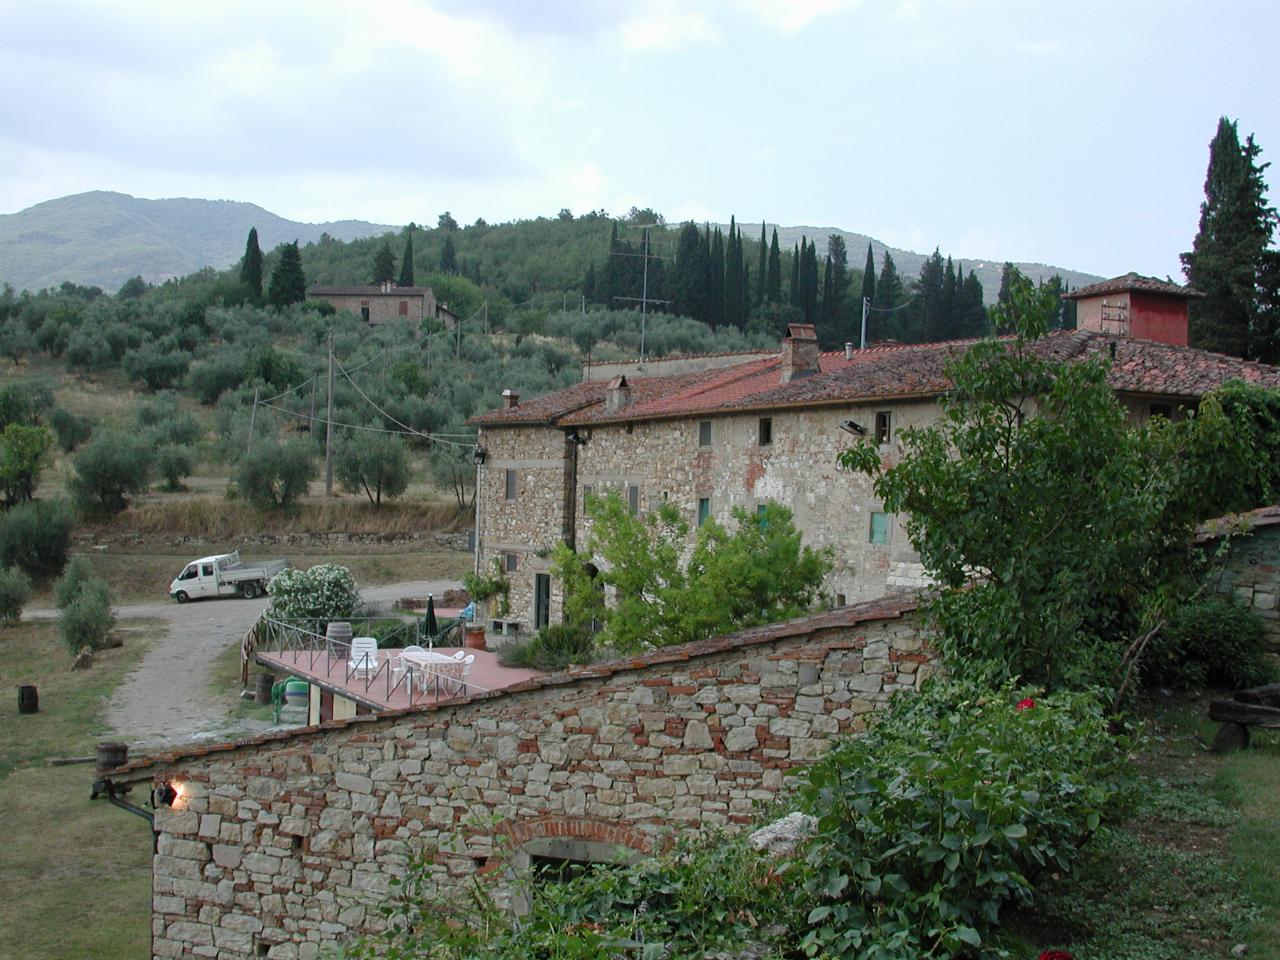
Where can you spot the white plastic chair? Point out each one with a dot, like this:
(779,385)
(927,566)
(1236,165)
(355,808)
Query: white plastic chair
(467,661)
(398,666)
(364,656)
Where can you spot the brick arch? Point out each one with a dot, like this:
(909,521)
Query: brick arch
(518,833)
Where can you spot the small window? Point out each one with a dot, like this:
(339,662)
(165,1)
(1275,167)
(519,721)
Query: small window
(704,433)
(511,484)
(587,494)
(879,527)
(404,308)
(762,516)
(704,510)
(206,570)
(840,601)
(633,500)
(884,426)
(190,573)
(510,562)
(766,431)
(364,314)
(1161,410)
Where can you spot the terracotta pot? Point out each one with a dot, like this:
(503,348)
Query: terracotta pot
(474,639)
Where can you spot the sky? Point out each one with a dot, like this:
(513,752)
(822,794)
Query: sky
(1070,133)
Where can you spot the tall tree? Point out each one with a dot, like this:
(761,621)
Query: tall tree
(406,262)
(795,296)
(971,312)
(733,307)
(773,287)
(882,324)
(689,275)
(1231,260)
(716,288)
(762,268)
(384,264)
(868,296)
(448,256)
(288,284)
(1008,280)
(251,265)
(949,288)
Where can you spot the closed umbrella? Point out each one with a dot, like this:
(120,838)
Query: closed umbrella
(432,627)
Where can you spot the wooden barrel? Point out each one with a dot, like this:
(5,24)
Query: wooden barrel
(262,692)
(28,699)
(339,631)
(112,755)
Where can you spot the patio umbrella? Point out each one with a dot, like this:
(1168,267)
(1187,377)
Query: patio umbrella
(432,627)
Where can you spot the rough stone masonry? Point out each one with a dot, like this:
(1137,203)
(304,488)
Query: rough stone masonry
(280,844)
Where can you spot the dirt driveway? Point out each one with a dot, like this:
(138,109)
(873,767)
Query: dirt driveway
(166,699)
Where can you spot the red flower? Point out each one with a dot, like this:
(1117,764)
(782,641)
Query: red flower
(1053,954)
(1027,704)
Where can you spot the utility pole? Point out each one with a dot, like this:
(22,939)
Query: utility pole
(253,417)
(328,429)
(486,317)
(644,290)
(866,308)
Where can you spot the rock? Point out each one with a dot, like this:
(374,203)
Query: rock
(783,836)
(1240,949)
(83,660)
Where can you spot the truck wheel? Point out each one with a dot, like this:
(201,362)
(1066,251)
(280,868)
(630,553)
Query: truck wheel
(249,590)
(181,596)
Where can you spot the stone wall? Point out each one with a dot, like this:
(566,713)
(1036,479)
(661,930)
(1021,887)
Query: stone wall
(1251,573)
(277,846)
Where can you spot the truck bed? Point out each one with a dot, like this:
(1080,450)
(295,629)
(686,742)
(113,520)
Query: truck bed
(235,572)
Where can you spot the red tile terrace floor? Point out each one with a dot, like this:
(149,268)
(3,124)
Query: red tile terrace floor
(487,673)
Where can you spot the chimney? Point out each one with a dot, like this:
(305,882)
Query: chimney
(617,396)
(848,350)
(799,352)
(510,399)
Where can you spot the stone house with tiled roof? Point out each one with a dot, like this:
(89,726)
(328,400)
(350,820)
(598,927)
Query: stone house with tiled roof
(377,305)
(762,430)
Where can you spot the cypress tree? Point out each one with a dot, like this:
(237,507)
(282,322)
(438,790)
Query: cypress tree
(972,319)
(1231,260)
(882,325)
(733,313)
(448,256)
(828,336)
(795,274)
(288,285)
(406,262)
(384,264)
(762,268)
(717,279)
(773,288)
(689,275)
(251,266)
(949,318)
(837,313)
(868,282)
(809,282)
(708,277)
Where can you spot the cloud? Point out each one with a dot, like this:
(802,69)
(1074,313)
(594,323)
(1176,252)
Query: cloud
(668,26)
(789,16)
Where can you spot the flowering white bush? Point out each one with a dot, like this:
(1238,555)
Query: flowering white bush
(325,592)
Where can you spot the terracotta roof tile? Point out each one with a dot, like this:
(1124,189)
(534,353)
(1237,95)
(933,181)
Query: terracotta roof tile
(365,291)
(1132,281)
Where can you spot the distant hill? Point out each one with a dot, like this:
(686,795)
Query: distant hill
(102,238)
(909,262)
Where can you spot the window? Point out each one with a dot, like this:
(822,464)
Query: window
(404,308)
(511,484)
(879,527)
(633,500)
(704,510)
(704,433)
(840,601)
(206,570)
(762,516)
(1161,410)
(190,573)
(509,560)
(364,314)
(587,493)
(884,426)
(766,431)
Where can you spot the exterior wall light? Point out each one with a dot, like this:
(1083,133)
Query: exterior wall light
(478,454)
(164,795)
(857,429)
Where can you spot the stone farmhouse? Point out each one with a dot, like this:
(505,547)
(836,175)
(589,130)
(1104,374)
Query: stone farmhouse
(378,304)
(739,434)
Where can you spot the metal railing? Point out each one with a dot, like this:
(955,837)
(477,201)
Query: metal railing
(321,655)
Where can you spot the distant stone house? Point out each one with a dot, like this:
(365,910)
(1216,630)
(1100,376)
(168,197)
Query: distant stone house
(379,304)
(771,429)
(279,845)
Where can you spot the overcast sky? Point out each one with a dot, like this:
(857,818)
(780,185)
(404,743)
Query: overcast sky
(1073,133)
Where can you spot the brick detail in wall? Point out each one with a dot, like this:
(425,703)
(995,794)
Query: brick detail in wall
(283,844)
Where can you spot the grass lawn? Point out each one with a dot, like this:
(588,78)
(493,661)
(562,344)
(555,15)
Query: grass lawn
(142,574)
(75,874)
(1195,870)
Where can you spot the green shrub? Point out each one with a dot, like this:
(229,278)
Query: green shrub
(165,421)
(69,429)
(950,807)
(87,620)
(78,572)
(88,351)
(1210,642)
(156,366)
(36,537)
(274,475)
(209,379)
(551,648)
(109,468)
(326,591)
(15,591)
(174,463)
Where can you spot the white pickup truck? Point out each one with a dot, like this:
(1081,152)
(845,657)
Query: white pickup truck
(223,575)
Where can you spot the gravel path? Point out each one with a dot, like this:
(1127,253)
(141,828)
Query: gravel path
(166,699)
